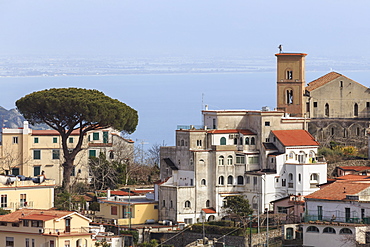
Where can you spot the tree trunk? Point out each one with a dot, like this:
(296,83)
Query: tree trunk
(67,170)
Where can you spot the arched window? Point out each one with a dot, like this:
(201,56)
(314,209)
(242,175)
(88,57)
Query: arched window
(332,131)
(312,229)
(241,140)
(357,131)
(253,142)
(289,96)
(299,177)
(235,141)
(203,182)
(327,110)
(355,110)
(230,179)
(240,180)
(290,176)
(223,141)
(229,160)
(187,204)
(201,162)
(247,141)
(345,231)
(221,160)
(208,204)
(314,177)
(221,180)
(291,155)
(329,230)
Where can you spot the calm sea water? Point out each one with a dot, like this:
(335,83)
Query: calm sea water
(167,100)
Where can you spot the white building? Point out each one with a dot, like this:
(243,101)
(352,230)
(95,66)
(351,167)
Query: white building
(338,215)
(262,155)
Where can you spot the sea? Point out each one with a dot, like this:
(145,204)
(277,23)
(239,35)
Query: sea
(166,101)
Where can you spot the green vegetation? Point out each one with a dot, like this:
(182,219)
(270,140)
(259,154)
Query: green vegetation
(338,153)
(152,243)
(238,207)
(134,234)
(76,109)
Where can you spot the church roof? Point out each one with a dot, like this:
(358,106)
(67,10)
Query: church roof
(322,80)
(326,79)
(295,138)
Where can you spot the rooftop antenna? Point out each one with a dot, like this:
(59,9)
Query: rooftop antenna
(280,48)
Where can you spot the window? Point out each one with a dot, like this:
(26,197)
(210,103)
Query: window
(95,136)
(15,224)
(56,154)
(15,139)
(36,170)
(235,141)
(55,139)
(23,200)
(199,143)
(36,154)
(26,223)
(92,153)
(314,104)
(164,203)
(171,204)
(282,210)
(314,177)
(319,212)
(247,141)
(9,242)
(111,155)
(253,142)
(188,221)
(70,140)
(4,201)
(27,242)
(247,179)
(208,204)
(341,84)
(36,223)
(33,243)
(299,178)
(230,180)
(113,210)
(345,231)
(290,183)
(329,230)
(289,75)
(105,136)
(67,243)
(187,204)
(255,180)
(357,131)
(267,123)
(355,110)
(223,141)
(221,160)
(203,182)
(312,229)
(229,160)
(221,180)
(15,171)
(240,159)
(289,97)
(36,140)
(253,160)
(240,180)
(52,243)
(327,110)
(283,182)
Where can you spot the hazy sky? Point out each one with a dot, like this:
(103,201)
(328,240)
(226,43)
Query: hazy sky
(184,27)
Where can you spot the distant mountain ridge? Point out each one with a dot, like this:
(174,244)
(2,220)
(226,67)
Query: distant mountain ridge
(13,119)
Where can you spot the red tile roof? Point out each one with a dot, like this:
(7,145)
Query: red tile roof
(209,210)
(337,191)
(34,213)
(295,138)
(41,217)
(353,177)
(232,131)
(354,168)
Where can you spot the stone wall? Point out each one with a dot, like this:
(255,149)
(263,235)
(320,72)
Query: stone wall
(331,167)
(238,241)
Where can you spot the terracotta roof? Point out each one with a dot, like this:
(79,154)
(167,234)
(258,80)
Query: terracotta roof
(354,168)
(322,80)
(290,54)
(100,144)
(295,138)
(337,191)
(209,210)
(51,132)
(232,131)
(36,213)
(353,177)
(41,217)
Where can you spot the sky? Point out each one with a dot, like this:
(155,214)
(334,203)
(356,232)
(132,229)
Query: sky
(191,28)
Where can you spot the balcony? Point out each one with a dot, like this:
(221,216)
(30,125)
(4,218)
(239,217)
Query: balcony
(71,231)
(323,219)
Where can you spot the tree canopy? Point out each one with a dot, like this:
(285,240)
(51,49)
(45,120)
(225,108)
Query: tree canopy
(69,109)
(238,206)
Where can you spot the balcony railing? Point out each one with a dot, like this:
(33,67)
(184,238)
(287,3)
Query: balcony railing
(61,231)
(309,218)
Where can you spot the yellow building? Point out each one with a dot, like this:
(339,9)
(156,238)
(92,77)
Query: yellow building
(51,228)
(117,208)
(29,152)
(27,194)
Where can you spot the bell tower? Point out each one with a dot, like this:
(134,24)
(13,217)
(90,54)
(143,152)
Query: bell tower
(291,83)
